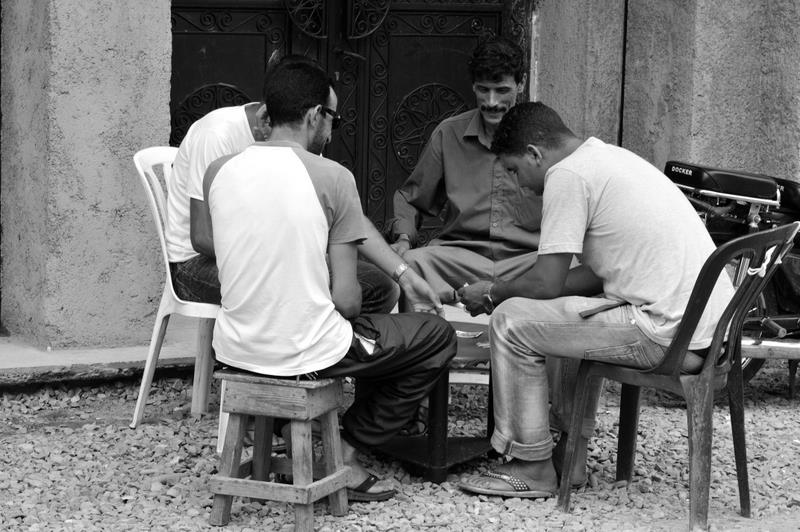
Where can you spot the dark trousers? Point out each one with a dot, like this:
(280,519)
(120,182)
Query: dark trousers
(197,279)
(412,350)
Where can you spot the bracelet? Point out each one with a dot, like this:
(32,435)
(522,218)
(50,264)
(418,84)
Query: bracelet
(399,271)
(403,236)
(488,302)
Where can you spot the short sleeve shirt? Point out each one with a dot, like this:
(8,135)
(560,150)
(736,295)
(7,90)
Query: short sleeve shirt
(224,131)
(636,231)
(275,209)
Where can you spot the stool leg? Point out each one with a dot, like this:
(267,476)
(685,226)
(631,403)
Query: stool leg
(262,448)
(302,471)
(332,447)
(229,467)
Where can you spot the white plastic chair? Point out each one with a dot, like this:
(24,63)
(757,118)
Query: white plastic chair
(147,162)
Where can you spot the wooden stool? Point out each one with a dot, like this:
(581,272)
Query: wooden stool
(299,401)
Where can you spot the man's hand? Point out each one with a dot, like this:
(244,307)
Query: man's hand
(473,296)
(419,293)
(401,245)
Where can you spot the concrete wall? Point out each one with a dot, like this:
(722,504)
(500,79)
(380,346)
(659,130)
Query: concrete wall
(577,63)
(23,176)
(715,83)
(85,85)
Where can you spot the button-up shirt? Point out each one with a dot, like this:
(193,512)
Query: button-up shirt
(484,207)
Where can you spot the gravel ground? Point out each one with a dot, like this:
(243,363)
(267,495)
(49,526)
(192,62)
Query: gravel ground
(68,461)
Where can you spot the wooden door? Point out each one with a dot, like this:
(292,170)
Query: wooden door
(399,67)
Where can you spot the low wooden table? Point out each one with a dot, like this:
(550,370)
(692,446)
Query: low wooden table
(431,455)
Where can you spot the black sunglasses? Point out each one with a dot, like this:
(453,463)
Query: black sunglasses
(337,118)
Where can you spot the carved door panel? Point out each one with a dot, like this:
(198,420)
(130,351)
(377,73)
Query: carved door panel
(399,67)
(220,50)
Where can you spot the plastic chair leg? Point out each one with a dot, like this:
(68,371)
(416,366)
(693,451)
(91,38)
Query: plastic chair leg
(222,424)
(203,367)
(699,409)
(736,405)
(159,329)
(574,434)
(628,423)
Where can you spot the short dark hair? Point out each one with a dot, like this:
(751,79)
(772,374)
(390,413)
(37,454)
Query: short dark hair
(495,58)
(529,123)
(292,87)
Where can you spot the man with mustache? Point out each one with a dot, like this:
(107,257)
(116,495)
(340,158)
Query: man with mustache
(491,224)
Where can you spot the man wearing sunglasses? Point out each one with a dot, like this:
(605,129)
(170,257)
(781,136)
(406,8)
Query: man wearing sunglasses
(288,227)
(222,132)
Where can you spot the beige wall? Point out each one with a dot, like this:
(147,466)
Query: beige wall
(84,85)
(716,83)
(577,61)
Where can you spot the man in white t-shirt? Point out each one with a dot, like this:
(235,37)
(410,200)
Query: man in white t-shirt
(641,246)
(277,210)
(226,131)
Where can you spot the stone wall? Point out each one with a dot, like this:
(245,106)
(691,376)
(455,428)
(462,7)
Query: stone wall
(23,177)
(577,62)
(715,83)
(85,85)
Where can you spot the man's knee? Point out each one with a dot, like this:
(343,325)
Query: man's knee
(440,336)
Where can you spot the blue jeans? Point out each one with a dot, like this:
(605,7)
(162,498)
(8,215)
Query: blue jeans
(533,338)
(197,279)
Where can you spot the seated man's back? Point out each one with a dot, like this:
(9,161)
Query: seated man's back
(275,295)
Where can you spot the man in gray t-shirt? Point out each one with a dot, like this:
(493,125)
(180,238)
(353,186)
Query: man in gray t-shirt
(641,245)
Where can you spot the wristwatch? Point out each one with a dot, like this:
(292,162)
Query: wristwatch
(399,271)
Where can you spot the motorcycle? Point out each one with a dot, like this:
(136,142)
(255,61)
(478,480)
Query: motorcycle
(731,204)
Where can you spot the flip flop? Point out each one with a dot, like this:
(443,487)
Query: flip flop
(519,488)
(361,492)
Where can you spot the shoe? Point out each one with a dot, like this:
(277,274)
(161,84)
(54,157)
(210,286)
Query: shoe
(361,492)
(519,488)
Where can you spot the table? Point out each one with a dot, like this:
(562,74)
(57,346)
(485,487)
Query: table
(432,454)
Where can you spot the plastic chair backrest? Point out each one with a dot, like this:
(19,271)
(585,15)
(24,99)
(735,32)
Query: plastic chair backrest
(147,162)
(765,250)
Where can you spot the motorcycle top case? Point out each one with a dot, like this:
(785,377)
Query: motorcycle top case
(722,181)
